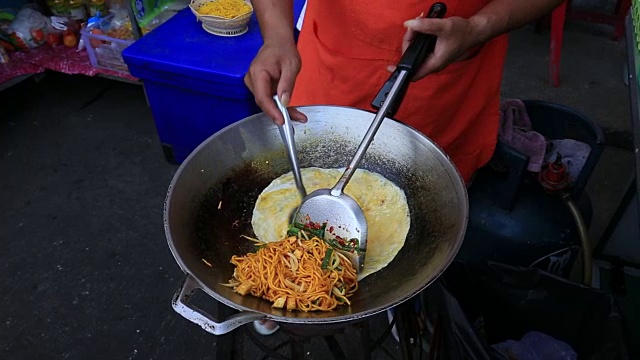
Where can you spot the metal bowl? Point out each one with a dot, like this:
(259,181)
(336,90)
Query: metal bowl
(238,162)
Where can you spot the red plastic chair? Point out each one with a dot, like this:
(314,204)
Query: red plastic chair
(558,18)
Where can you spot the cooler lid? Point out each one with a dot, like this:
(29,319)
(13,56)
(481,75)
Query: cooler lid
(181,47)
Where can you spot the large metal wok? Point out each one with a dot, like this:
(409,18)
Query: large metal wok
(211,198)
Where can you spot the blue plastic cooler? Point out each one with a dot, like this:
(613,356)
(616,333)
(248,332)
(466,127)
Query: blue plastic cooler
(194,80)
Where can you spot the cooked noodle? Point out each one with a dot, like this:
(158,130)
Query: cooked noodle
(227,9)
(296,273)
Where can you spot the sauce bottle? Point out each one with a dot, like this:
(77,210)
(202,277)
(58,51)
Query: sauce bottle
(76,10)
(57,7)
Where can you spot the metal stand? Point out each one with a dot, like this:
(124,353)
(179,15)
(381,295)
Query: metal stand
(358,344)
(224,343)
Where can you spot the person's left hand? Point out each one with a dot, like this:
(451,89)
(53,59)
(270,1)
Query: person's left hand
(456,36)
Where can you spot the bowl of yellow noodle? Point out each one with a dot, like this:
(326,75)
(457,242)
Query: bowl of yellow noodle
(223,17)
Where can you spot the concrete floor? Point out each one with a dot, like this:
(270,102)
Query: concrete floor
(86,270)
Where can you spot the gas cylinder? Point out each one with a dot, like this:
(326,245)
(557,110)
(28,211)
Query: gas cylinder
(520,218)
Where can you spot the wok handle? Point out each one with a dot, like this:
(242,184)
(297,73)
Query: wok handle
(181,304)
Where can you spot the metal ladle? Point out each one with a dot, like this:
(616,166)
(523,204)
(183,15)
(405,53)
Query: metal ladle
(286,133)
(342,218)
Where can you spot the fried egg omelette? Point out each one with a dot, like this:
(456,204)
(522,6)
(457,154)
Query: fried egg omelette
(384,205)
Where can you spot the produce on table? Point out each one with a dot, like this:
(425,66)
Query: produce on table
(70,38)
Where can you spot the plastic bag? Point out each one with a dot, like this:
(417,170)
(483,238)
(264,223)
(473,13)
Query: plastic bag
(117,24)
(68,28)
(535,345)
(29,28)
(4,56)
(6,18)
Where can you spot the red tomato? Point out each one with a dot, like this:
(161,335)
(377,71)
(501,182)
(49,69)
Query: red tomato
(37,35)
(54,39)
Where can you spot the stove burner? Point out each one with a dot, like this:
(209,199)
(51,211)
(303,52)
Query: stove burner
(298,337)
(352,340)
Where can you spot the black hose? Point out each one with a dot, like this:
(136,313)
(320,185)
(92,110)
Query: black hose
(584,238)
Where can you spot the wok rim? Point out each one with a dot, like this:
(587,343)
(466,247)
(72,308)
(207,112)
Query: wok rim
(312,320)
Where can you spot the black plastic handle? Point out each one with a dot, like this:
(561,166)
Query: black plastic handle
(421,44)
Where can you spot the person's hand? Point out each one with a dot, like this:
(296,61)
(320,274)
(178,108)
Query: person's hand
(274,71)
(455,40)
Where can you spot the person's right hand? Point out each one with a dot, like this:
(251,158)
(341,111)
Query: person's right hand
(274,71)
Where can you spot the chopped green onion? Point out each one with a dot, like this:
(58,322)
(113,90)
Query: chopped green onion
(293,231)
(353,245)
(316,232)
(327,257)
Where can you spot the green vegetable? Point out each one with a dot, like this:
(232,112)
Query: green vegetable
(352,246)
(335,244)
(327,258)
(294,229)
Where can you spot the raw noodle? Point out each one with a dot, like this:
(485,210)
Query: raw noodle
(227,9)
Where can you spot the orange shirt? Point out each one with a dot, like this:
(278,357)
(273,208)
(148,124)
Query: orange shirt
(346,46)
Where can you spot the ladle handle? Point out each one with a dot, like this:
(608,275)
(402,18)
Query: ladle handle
(181,304)
(390,96)
(421,44)
(286,132)
(368,137)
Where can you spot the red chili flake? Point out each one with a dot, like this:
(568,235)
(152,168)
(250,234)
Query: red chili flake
(331,229)
(313,225)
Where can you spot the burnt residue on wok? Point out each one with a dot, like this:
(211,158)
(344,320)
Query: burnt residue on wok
(224,213)
(234,166)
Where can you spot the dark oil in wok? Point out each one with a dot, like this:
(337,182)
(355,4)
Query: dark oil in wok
(224,213)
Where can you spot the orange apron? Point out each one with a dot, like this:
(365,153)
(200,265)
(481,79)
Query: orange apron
(346,46)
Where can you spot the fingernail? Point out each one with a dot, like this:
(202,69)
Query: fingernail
(284,99)
(411,23)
